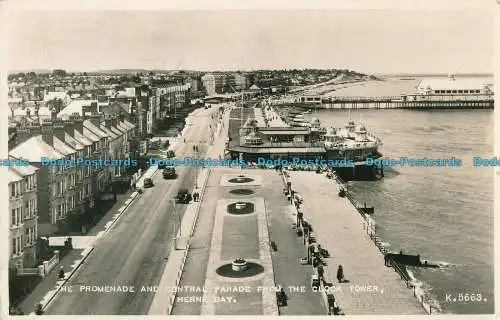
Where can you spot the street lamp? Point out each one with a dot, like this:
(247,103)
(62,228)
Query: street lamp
(177,224)
(196,169)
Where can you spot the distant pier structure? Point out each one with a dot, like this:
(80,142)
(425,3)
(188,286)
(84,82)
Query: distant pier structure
(433,93)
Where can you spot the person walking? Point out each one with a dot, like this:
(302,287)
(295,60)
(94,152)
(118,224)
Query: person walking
(340,274)
(321,273)
(61,273)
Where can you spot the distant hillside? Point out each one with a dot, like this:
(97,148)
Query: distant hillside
(37,71)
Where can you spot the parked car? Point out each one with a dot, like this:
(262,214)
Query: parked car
(169,173)
(183,196)
(148,183)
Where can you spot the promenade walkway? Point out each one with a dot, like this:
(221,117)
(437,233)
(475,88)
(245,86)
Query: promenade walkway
(372,288)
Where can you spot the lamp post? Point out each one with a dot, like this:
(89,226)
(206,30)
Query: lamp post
(196,169)
(177,224)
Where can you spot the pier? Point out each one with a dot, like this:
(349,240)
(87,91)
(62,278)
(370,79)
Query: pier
(371,287)
(419,102)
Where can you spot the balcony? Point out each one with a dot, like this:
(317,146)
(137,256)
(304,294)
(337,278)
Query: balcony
(32,216)
(60,172)
(16,226)
(17,255)
(15,197)
(30,244)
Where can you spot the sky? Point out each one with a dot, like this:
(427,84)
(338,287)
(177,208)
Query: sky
(367,41)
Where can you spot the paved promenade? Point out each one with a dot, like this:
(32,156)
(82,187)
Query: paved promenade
(294,277)
(373,289)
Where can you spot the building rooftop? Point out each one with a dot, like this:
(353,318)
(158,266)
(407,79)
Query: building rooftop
(75,106)
(55,95)
(62,147)
(126,93)
(23,112)
(116,130)
(34,149)
(85,140)
(90,135)
(108,132)
(122,126)
(95,129)
(73,143)
(13,176)
(452,84)
(24,170)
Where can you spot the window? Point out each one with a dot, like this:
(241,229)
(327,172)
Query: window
(60,188)
(16,216)
(17,246)
(71,202)
(13,215)
(59,211)
(30,236)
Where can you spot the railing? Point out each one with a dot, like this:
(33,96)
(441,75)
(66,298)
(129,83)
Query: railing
(285,145)
(28,272)
(49,265)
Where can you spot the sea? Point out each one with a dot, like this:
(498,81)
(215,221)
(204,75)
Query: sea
(444,214)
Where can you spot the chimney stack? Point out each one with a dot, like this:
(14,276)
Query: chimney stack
(77,122)
(114,121)
(53,114)
(59,130)
(22,134)
(69,127)
(107,122)
(47,132)
(95,119)
(93,107)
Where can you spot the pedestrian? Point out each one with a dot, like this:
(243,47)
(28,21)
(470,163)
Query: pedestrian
(61,273)
(321,272)
(38,309)
(315,262)
(340,274)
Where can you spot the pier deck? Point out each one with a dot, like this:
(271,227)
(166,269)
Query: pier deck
(338,227)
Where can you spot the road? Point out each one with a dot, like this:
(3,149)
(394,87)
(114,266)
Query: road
(135,250)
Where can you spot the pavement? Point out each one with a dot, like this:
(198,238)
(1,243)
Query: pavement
(133,254)
(288,272)
(372,288)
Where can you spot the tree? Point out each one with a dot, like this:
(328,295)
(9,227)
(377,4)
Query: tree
(59,72)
